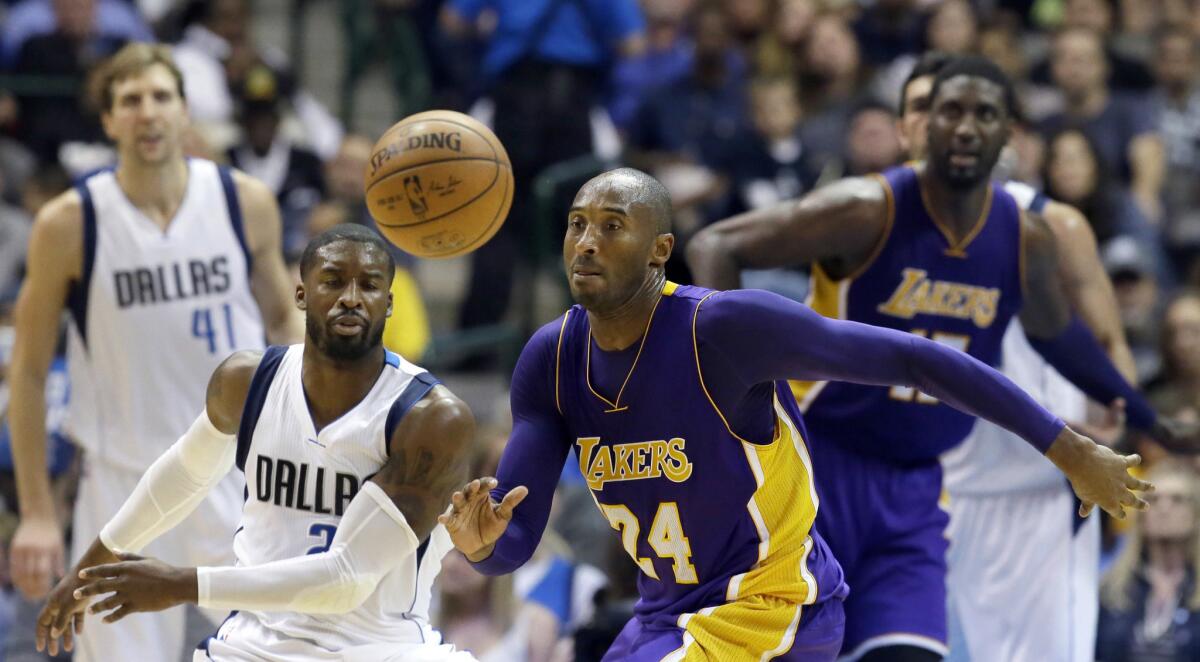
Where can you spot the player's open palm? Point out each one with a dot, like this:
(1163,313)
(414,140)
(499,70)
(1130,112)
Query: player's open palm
(475,521)
(1099,475)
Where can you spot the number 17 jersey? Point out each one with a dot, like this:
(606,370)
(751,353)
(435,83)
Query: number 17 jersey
(959,292)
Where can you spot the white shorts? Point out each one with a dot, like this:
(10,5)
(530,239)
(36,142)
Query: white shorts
(1023,582)
(204,538)
(247,640)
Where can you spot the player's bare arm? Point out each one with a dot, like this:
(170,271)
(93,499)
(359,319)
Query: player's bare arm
(838,225)
(55,261)
(428,456)
(269,280)
(1088,287)
(225,398)
(1046,311)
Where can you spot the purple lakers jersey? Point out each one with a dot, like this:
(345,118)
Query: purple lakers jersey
(708,516)
(958,292)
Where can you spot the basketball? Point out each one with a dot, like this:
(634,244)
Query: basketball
(439,184)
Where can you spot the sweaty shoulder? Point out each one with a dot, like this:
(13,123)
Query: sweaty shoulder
(58,228)
(228,387)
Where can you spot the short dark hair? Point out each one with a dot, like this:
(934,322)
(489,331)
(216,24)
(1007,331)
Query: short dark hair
(650,192)
(345,232)
(929,64)
(977,66)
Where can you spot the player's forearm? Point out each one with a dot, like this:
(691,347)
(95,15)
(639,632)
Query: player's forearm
(969,385)
(372,538)
(172,487)
(1076,354)
(711,263)
(27,420)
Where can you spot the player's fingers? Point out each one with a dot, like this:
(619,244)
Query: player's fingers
(111,602)
(68,638)
(105,570)
(471,488)
(1085,509)
(458,500)
(510,501)
(41,633)
(1133,460)
(95,587)
(124,610)
(1139,485)
(79,618)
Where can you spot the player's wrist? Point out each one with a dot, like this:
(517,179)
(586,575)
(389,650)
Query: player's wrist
(1068,450)
(481,554)
(185,585)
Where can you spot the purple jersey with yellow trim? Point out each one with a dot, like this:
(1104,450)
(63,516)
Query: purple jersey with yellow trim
(708,516)
(962,294)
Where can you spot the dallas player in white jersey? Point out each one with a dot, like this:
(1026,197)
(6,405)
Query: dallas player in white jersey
(350,454)
(166,264)
(1012,525)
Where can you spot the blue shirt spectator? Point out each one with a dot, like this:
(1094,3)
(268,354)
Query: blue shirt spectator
(114,20)
(579,32)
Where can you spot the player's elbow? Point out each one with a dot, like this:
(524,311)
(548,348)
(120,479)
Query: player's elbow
(707,246)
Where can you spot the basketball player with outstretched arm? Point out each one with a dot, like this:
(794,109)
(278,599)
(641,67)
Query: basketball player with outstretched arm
(349,452)
(676,402)
(937,250)
(166,265)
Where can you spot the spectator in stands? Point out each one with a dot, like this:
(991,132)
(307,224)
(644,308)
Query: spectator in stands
(55,113)
(667,58)
(872,142)
(777,53)
(111,20)
(1178,391)
(1150,597)
(15,225)
(215,55)
(683,131)
(830,79)
(1123,130)
(769,162)
(1139,300)
(294,174)
(748,20)
(888,29)
(1178,105)
(546,67)
(952,28)
(1126,72)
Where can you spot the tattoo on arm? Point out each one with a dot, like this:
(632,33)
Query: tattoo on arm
(430,455)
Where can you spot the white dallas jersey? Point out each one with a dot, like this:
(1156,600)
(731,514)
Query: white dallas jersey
(993,460)
(154,314)
(298,483)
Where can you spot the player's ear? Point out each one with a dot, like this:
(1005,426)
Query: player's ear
(300,302)
(663,245)
(389,310)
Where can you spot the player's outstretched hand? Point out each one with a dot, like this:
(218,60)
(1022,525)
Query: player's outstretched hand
(1099,475)
(137,584)
(61,618)
(475,521)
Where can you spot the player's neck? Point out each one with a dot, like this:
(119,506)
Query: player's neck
(622,326)
(157,190)
(332,386)
(960,208)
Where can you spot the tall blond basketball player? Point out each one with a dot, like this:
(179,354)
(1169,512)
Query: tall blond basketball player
(167,265)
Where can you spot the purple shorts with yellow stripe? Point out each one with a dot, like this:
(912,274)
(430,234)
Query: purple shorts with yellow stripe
(753,628)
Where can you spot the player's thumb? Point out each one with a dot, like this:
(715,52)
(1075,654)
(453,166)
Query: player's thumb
(514,497)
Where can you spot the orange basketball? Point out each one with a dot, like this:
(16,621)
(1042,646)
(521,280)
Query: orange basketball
(439,184)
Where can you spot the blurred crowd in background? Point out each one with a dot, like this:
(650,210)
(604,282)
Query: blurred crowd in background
(734,105)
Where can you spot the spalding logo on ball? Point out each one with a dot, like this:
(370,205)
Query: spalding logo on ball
(439,184)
